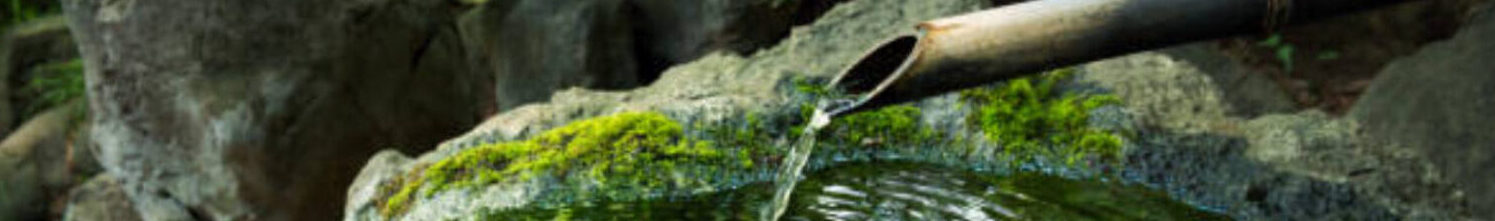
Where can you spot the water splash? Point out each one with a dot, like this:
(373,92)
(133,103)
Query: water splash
(799,155)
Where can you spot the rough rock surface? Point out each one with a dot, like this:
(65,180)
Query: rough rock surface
(40,162)
(1335,150)
(264,110)
(1300,141)
(100,199)
(1196,145)
(1163,91)
(384,166)
(1250,94)
(1438,102)
(717,87)
(1211,171)
(535,47)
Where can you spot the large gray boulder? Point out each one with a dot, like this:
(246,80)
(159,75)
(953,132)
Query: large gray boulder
(1207,137)
(100,199)
(1163,91)
(1438,101)
(41,161)
(264,110)
(1249,93)
(1190,88)
(1335,149)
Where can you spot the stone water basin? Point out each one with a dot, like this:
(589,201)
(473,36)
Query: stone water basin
(899,191)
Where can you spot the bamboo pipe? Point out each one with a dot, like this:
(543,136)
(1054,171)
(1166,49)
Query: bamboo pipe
(969,50)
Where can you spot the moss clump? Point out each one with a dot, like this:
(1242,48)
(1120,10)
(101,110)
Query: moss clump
(398,191)
(54,84)
(629,149)
(1028,118)
(751,137)
(897,124)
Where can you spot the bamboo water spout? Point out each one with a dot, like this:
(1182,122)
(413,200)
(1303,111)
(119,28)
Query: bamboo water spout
(964,51)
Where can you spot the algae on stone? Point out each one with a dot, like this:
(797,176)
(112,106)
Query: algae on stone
(627,149)
(896,125)
(1026,116)
(1029,118)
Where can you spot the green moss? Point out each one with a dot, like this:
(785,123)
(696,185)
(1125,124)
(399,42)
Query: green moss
(811,87)
(399,190)
(891,125)
(399,202)
(751,137)
(1028,119)
(887,126)
(53,85)
(629,149)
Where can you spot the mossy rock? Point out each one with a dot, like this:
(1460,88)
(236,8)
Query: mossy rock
(636,150)
(637,153)
(1029,117)
(641,154)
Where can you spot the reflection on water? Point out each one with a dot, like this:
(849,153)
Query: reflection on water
(899,191)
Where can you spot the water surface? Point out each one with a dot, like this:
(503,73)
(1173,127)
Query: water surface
(899,191)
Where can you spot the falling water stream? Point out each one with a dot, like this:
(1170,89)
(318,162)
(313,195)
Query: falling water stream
(795,164)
